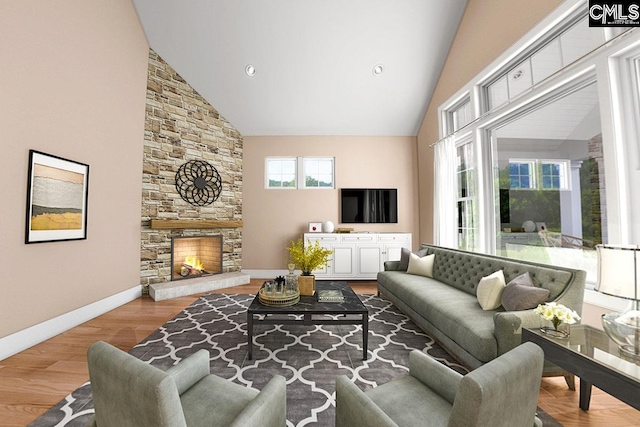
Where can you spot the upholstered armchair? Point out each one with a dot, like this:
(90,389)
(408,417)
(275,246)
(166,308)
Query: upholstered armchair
(129,392)
(503,392)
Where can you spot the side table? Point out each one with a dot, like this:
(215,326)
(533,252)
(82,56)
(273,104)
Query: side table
(592,356)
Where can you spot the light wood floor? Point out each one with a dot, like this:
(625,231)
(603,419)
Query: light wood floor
(36,379)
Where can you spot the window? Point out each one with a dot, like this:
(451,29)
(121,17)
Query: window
(318,172)
(458,115)
(539,174)
(521,174)
(465,167)
(571,42)
(553,176)
(299,172)
(281,172)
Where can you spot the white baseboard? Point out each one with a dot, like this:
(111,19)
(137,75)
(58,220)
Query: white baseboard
(22,340)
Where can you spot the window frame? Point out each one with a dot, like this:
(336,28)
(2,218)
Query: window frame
(302,178)
(267,173)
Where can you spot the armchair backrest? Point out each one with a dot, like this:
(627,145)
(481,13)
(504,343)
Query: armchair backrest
(503,392)
(129,392)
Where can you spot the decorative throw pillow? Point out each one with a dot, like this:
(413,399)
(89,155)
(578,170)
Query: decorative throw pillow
(490,289)
(522,294)
(421,266)
(404,257)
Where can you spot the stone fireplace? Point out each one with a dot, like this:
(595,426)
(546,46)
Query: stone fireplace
(181,126)
(195,256)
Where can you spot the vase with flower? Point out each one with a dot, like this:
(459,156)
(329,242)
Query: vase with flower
(559,317)
(308,258)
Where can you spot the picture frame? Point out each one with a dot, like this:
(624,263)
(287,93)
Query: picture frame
(315,227)
(57,195)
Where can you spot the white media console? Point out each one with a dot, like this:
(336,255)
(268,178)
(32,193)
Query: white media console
(359,255)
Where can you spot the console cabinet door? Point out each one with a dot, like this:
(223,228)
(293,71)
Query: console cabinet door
(343,260)
(369,260)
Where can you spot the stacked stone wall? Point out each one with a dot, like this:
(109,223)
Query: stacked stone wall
(181,126)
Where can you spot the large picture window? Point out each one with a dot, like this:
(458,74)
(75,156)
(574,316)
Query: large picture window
(552,208)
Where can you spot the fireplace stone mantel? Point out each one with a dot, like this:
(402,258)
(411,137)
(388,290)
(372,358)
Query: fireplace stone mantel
(194,224)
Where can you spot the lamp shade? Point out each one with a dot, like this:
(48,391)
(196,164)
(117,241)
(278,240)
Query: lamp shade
(619,271)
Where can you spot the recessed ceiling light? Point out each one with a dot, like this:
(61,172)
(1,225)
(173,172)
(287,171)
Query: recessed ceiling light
(378,69)
(250,70)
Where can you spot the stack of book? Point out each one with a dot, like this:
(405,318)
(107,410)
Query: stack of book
(329,295)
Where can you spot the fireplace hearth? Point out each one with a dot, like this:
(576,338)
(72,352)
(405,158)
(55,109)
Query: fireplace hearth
(195,256)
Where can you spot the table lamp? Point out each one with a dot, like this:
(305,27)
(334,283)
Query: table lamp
(619,276)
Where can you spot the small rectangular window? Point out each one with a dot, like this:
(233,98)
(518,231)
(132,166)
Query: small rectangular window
(521,175)
(554,175)
(318,172)
(281,172)
(459,115)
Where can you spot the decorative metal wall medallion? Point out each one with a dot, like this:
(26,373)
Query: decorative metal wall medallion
(198,183)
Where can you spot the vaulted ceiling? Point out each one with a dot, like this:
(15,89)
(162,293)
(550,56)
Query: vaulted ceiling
(313,60)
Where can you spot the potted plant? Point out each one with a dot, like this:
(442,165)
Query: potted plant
(308,258)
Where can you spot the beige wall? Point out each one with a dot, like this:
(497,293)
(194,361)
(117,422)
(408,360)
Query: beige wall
(273,217)
(73,79)
(488,28)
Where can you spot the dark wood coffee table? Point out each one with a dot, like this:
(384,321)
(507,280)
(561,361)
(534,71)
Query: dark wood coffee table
(311,312)
(592,356)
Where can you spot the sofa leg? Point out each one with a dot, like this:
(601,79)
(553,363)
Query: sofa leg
(570,379)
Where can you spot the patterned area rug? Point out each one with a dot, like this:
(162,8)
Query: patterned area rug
(309,357)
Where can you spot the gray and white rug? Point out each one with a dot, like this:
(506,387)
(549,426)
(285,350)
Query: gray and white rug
(309,357)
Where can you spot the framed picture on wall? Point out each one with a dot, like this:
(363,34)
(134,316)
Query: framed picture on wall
(56,199)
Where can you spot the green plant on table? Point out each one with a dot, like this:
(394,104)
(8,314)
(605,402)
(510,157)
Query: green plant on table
(308,257)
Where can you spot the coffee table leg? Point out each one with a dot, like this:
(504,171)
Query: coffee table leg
(365,335)
(250,333)
(585,395)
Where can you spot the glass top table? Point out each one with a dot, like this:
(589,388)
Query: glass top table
(311,312)
(592,356)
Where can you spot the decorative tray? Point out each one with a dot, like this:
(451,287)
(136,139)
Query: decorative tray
(278,299)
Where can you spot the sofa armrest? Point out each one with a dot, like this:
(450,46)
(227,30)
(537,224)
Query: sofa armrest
(354,408)
(438,377)
(391,265)
(508,327)
(190,370)
(268,408)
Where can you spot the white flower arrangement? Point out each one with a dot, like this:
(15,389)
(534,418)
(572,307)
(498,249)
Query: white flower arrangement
(557,313)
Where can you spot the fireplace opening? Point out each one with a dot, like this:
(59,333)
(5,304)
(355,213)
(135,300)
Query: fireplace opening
(195,256)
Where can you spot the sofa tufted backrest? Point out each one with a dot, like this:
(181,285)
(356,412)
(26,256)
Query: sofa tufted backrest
(463,270)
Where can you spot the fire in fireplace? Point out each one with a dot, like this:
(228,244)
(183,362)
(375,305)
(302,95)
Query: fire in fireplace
(195,256)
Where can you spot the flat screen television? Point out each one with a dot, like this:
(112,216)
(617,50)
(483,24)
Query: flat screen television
(368,205)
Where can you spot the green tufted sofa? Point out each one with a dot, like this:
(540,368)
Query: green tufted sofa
(446,306)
